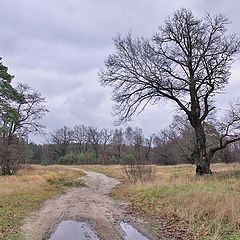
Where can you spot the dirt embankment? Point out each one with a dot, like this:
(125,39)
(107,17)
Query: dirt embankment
(90,203)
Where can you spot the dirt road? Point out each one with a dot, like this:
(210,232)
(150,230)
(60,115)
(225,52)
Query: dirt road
(90,203)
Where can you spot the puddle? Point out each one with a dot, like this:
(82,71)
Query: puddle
(131,232)
(73,230)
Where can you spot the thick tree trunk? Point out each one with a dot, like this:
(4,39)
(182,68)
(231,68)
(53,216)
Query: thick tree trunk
(6,166)
(9,157)
(201,157)
(97,154)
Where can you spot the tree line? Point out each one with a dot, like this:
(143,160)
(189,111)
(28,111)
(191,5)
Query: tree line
(90,145)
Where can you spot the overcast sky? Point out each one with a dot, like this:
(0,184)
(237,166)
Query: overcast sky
(58,47)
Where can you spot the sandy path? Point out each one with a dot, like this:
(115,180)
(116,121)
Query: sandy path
(90,203)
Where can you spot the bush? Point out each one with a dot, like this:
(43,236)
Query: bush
(45,162)
(78,158)
(134,171)
(114,160)
(61,160)
(127,159)
(91,158)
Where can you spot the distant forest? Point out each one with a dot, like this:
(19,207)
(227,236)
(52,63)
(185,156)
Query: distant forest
(90,145)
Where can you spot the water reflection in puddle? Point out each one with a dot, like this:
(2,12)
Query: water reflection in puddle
(73,230)
(131,232)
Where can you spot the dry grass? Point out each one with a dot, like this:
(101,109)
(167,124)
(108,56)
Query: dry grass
(24,193)
(109,170)
(201,207)
(31,177)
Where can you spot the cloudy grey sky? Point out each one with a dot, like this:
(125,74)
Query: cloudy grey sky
(58,47)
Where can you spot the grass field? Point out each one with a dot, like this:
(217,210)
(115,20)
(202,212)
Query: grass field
(25,192)
(187,206)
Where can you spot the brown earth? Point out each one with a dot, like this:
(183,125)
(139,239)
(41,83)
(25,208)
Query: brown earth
(91,203)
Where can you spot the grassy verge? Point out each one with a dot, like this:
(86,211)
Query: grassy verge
(185,206)
(25,192)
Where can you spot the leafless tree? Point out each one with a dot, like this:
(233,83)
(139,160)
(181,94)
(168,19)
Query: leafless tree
(29,110)
(79,136)
(149,144)
(94,138)
(61,139)
(229,128)
(105,137)
(175,144)
(138,141)
(187,62)
(118,142)
(134,140)
(128,134)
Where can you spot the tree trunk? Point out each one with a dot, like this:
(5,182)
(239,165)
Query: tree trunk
(6,166)
(201,158)
(97,154)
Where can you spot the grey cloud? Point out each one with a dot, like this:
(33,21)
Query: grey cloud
(61,59)
(59,46)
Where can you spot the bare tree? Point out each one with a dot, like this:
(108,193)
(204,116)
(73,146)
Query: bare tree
(118,142)
(175,144)
(149,144)
(134,139)
(61,139)
(30,110)
(138,141)
(79,136)
(229,128)
(106,135)
(164,147)
(128,133)
(94,138)
(187,62)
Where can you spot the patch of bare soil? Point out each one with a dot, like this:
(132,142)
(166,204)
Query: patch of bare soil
(91,204)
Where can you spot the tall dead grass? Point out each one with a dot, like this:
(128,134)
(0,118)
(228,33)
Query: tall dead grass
(23,193)
(30,178)
(210,204)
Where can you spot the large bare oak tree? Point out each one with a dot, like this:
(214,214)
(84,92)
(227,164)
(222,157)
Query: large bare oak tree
(187,62)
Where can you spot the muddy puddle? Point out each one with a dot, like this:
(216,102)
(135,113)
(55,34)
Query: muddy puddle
(73,230)
(131,232)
